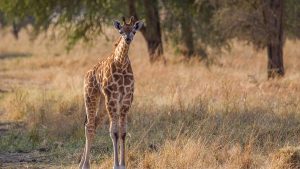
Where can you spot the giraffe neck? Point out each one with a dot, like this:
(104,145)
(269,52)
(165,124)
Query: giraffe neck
(121,51)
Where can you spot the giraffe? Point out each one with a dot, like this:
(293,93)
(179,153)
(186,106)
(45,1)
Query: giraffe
(110,84)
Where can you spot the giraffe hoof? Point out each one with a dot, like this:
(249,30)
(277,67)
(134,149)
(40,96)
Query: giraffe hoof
(122,167)
(116,167)
(85,166)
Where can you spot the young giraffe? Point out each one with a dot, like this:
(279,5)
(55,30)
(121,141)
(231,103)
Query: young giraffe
(110,84)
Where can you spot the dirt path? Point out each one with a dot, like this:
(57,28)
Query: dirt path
(23,160)
(33,159)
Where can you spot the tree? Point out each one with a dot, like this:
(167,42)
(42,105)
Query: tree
(262,23)
(83,19)
(152,31)
(15,23)
(272,13)
(18,25)
(189,25)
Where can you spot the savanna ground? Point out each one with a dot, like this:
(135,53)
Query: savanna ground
(221,113)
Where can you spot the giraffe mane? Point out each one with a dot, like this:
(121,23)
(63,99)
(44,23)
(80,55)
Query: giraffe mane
(117,41)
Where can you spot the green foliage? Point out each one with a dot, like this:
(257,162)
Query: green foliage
(174,13)
(205,30)
(212,22)
(200,15)
(81,19)
(292,18)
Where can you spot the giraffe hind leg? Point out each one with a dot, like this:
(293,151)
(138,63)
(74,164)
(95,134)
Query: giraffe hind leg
(91,98)
(90,130)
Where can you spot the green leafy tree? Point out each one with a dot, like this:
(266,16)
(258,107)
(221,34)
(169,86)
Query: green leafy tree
(81,19)
(84,19)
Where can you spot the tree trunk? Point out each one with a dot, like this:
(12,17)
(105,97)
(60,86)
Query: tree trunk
(273,18)
(15,30)
(151,32)
(187,48)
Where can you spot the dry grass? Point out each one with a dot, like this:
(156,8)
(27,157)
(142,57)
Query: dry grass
(184,115)
(286,158)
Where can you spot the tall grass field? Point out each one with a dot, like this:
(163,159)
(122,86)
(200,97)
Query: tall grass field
(219,113)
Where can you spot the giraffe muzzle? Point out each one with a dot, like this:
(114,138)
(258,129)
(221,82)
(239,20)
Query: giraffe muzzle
(128,40)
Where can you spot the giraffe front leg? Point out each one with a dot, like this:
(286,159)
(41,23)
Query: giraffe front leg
(114,131)
(114,134)
(123,128)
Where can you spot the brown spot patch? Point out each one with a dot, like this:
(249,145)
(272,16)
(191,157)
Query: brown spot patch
(127,80)
(115,95)
(121,89)
(113,87)
(129,69)
(109,108)
(117,77)
(107,91)
(120,82)
(112,103)
(125,108)
(128,89)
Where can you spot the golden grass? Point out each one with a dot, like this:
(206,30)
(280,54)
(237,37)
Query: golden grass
(184,115)
(286,158)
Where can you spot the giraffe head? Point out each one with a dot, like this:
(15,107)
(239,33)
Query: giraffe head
(128,30)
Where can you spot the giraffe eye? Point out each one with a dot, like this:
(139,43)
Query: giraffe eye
(121,32)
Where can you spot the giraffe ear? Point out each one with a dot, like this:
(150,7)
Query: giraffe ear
(138,25)
(117,25)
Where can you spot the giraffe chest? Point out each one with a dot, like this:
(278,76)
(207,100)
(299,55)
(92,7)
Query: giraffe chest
(119,86)
(119,90)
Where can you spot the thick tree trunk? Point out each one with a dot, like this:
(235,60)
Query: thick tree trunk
(152,31)
(273,18)
(187,46)
(275,61)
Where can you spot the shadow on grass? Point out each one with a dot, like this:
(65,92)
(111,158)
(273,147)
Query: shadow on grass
(265,129)
(10,55)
